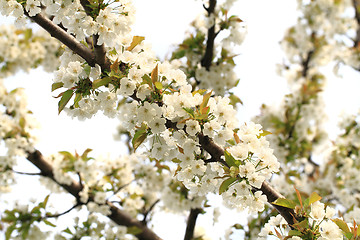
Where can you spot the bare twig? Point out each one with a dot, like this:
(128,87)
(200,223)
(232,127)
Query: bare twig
(146,213)
(63,213)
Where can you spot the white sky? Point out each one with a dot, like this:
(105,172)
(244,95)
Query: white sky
(164,23)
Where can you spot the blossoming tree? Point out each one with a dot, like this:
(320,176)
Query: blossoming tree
(179,118)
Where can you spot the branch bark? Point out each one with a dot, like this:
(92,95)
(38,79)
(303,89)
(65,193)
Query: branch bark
(61,35)
(209,52)
(191,223)
(119,216)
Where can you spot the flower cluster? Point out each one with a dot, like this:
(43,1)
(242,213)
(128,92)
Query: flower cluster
(217,74)
(319,223)
(23,49)
(15,125)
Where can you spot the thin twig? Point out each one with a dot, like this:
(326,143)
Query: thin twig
(63,213)
(146,213)
(25,173)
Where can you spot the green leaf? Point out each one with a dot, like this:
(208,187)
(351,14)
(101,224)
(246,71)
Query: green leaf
(44,203)
(301,225)
(100,82)
(139,136)
(314,197)
(22,122)
(65,98)
(135,41)
(341,224)
(225,184)
(68,156)
(205,101)
(264,133)
(230,160)
(27,34)
(67,230)
(147,80)
(77,99)
(294,233)
(56,85)
(234,99)
(49,223)
(9,230)
(159,85)
(190,111)
(285,203)
(238,226)
(85,153)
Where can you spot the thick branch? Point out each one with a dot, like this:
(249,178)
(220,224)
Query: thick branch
(119,216)
(100,55)
(209,52)
(217,152)
(61,35)
(191,223)
(99,50)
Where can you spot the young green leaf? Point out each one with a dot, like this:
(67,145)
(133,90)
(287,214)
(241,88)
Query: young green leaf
(100,82)
(226,184)
(205,101)
(65,98)
(313,198)
(229,159)
(135,41)
(285,203)
(159,85)
(56,85)
(139,137)
(341,224)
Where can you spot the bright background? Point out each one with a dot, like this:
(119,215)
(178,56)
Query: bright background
(164,23)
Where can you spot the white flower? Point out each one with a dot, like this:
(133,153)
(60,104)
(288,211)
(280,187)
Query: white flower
(192,127)
(33,7)
(330,231)
(317,211)
(157,125)
(127,87)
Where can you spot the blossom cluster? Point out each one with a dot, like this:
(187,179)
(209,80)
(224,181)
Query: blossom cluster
(217,75)
(320,220)
(170,120)
(16,124)
(23,49)
(165,114)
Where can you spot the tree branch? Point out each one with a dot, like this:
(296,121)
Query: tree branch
(217,152)
(61,35)
(209,52)
(120,217)
(191,223)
